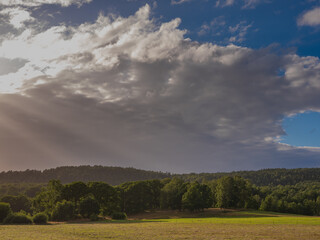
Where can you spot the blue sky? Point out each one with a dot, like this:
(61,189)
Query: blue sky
(171,85)
(302,129)
(270,22)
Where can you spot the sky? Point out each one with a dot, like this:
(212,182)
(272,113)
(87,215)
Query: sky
(172,85)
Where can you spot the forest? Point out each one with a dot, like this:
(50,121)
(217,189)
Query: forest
(61,202)
(68,174)
(119,175)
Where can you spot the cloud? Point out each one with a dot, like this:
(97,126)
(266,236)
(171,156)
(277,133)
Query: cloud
(176,2)
(215,27)
(35,3)
(224,3)
(134,92)
(310,18)
(10,65)
(239,31)
(218,27)
(17,16)
(250,4)
(247,4)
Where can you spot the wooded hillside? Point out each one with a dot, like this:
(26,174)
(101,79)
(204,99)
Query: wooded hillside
(119,175)
(264,177)
(111,175)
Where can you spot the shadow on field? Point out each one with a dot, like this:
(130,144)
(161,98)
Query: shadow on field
(208,213)
(156,216)
(110,222)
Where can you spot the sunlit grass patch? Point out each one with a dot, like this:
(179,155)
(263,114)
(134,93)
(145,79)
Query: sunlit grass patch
(233,225)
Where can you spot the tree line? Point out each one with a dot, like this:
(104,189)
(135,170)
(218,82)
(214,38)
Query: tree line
(68,174)
(93,199)
(118,175)
(264,177)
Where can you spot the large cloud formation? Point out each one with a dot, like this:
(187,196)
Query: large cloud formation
(132,92)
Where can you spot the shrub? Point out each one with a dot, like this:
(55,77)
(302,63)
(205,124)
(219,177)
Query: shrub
(17,218)
(89,206)
(119,216)
(40,218)
(94,217)
(5,210)
(63,211)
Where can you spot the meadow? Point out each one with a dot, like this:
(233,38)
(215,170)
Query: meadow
(226,225)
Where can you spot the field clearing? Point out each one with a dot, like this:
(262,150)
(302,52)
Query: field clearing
(237,225)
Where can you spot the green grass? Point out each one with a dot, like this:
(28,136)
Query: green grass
(234,225)
(246,220)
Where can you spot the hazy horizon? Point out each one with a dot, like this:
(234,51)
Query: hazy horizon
(153,170)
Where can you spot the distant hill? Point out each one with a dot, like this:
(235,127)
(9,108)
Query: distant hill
(264,177)
(118,175)
(111,175)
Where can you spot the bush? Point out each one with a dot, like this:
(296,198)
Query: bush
(5,210)
(94,217)
(40,218)
(17,218)
(89,206)
(63,211)
(119,216)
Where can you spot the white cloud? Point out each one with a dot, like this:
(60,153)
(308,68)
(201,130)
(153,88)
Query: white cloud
(139,93)
(250,4)
(232,34)
(17,16)
(247,4)
(310,18)
(224,3)
(35,3)
(176,2)
(239,32)
(216,27)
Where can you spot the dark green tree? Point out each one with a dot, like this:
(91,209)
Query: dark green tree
(192,199)
(63,211)
(18,203)
(46,200)
(197,197)
(106,195)
(137,196)
(74,192)
(225,194)
(89,206)
(171,194)
(233,192)
(5,210)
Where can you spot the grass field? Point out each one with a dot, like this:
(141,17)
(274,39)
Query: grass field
(230,225)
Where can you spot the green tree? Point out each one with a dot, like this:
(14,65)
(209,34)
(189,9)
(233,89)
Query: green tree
(137,196)
(197,197)
(74,192)
(225,194)
(106,195)
(89,206)
(5,210)
(233,192)
(171,194)
(192,199)
(18,203)
(268,204)
(46,200)
(63,211)
(207,196)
